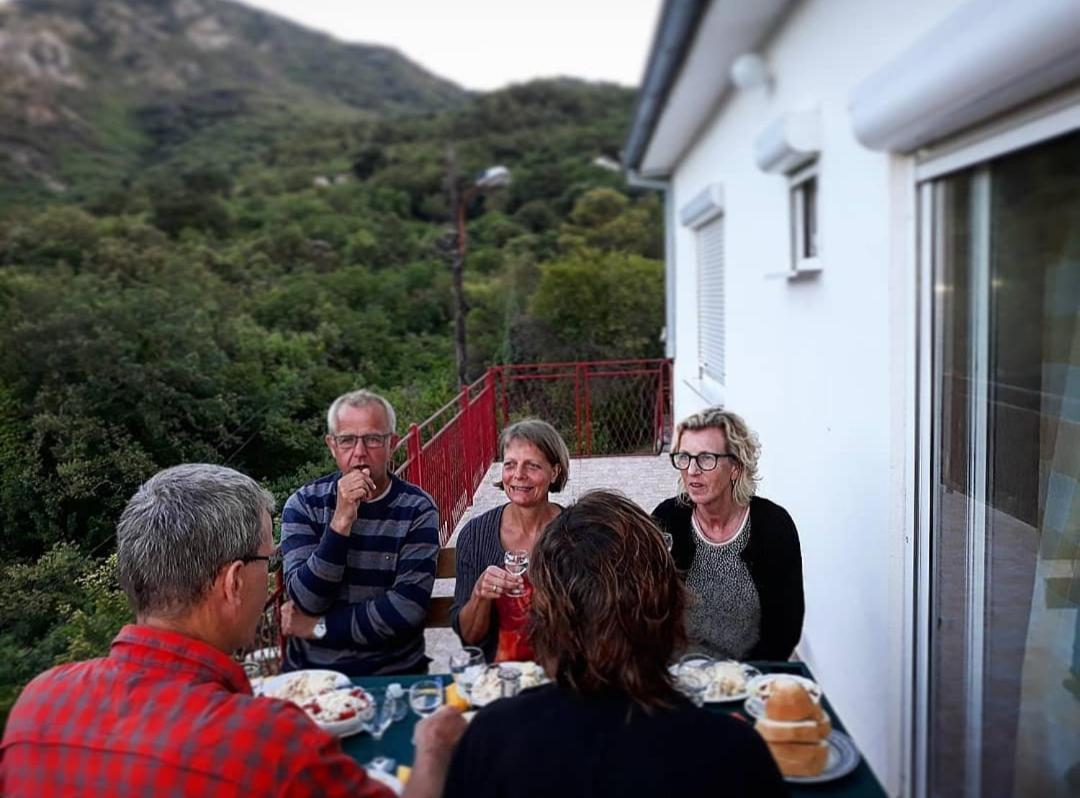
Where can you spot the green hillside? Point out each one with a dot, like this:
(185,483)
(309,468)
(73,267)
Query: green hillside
(96,90)
(192,274)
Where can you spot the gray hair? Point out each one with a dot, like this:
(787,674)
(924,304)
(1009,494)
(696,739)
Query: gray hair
(545,438)
(361,398)
(742,442)
(180,528)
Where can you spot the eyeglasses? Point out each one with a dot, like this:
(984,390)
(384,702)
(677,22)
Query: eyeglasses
(706,461)
(273,561)
(372,441)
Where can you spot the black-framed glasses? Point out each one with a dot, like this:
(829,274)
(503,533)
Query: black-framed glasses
(273,561)
(706,461)
(371,441)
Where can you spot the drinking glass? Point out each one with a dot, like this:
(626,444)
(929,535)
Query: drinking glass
(467,666)
(383,713)
(517,563)
(509,681)
(425,697)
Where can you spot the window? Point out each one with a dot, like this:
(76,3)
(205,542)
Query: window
(1004,513)
(805,245)
(710,244)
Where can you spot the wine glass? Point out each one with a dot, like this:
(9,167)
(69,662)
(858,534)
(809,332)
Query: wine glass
(467,666)
(425,697)
(382,715)
(517,563)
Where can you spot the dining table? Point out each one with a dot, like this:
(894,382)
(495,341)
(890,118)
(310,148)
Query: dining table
(396,743)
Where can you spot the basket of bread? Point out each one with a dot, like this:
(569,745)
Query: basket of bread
(796,729)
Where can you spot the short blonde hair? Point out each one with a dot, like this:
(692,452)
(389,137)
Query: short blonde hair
(742,443)
(545,438)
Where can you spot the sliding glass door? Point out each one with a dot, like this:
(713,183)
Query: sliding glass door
(1002,698)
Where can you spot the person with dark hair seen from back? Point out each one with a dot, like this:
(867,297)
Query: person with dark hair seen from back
(168,711)
(607,617)
(488,611)
(360,547)
(739,553)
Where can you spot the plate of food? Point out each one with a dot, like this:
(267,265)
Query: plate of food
(761,687)
(729,681)
(328,698)
(488,687)
(799,733)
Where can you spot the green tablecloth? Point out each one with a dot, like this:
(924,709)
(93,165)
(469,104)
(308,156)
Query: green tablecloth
(397,741)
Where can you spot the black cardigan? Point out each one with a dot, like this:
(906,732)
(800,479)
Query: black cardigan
(775,563)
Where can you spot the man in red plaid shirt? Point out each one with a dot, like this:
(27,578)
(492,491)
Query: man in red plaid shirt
(168,712)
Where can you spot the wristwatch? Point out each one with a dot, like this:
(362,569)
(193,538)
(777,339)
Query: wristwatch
(319,632)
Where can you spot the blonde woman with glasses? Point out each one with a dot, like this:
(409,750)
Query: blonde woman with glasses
(739,553)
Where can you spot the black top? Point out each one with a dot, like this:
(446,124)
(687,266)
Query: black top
(551,742)
(775,562)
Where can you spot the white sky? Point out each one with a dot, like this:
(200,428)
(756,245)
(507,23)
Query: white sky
(487,44)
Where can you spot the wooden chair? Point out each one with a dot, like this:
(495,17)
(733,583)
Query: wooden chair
(438,614)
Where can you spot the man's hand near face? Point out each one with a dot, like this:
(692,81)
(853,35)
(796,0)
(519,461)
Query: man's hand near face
(354,487)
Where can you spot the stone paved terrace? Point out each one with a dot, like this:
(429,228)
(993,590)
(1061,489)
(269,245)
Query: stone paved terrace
(647,480)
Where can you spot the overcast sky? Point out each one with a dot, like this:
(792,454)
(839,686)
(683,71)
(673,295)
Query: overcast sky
(486,44)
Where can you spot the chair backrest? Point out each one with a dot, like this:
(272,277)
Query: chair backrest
(438,614)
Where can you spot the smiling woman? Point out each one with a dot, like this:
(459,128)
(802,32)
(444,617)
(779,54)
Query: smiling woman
(739,553)
(492,593)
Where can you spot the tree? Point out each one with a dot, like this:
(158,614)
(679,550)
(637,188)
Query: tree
(597,305)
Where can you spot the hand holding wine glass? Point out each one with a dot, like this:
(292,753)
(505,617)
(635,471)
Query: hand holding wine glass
(516,562)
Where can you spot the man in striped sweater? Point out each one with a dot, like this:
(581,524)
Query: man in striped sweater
(359,548)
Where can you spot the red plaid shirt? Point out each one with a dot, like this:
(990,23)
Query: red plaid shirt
(167,715)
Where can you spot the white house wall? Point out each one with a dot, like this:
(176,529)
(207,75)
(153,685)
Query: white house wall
(821,367)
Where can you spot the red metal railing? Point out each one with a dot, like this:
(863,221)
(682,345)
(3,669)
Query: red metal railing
(607,407)
(449,454)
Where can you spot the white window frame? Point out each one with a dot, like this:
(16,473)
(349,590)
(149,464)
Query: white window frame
(712,365)
(1026,127)
(803,264)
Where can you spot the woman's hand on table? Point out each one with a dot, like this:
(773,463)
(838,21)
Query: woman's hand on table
(495,582)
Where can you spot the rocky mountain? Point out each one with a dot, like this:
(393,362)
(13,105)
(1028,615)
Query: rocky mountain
(93,89)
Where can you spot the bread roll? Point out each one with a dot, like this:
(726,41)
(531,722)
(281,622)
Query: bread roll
(800,759)
(788,700)
(802,731)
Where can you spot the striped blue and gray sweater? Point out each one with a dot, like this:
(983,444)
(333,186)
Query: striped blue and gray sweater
(373,587)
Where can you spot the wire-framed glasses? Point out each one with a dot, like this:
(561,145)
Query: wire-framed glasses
(371,441)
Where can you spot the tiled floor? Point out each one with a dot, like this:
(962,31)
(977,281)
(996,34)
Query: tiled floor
(647,480)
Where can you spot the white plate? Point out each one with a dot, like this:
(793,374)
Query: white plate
(490,689)
(842,759)
(274,686)
(758,687)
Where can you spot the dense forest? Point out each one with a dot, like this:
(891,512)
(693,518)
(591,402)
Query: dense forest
(227,267)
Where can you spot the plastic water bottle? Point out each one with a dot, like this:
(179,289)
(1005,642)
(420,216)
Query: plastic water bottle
(395,693)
